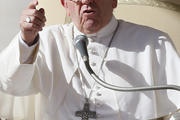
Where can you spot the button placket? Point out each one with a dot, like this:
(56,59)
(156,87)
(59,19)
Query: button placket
(92,56)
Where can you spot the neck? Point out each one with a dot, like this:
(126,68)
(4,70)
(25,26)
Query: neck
(105,31)
(94,28)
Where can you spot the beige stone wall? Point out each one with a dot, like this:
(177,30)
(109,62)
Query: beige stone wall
(162,19)
(55,12)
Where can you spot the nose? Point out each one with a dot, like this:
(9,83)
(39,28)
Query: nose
(87,1)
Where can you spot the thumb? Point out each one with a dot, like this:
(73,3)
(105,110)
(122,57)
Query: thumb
(33,4)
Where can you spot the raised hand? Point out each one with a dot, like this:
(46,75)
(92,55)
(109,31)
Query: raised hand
(31,22)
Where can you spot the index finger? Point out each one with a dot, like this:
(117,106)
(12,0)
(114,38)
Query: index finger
(33,4)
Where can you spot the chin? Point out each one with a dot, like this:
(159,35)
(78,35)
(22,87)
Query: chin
(91,27)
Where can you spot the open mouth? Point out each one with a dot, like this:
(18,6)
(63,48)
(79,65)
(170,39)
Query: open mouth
(89,12)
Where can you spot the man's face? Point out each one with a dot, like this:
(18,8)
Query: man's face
(90,16)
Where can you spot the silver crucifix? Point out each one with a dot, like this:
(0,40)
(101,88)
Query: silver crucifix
(85,114)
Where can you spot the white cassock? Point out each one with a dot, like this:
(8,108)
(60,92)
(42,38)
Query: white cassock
(138,56)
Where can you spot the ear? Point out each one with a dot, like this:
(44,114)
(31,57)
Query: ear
(115,2)
(65,5)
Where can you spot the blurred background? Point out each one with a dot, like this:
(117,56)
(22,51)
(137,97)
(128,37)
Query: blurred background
(10,11)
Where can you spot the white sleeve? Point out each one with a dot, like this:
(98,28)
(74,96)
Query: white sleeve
(26,52)
(16,78)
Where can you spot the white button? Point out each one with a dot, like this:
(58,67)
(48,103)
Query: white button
(93,64)
(98,94)
(93,52)
(90,50)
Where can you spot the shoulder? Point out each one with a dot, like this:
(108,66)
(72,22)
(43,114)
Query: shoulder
(142,30)
(140,36)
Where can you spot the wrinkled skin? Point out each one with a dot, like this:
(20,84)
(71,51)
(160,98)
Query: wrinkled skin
(90,16)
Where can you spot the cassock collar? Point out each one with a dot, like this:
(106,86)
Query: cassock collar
(105,31)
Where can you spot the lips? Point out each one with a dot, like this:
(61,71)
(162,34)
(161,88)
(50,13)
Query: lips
(89,12)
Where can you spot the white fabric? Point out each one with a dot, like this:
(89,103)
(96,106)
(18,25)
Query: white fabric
(26,49)
(138,56)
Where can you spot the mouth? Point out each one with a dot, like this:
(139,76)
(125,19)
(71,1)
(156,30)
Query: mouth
(89,12)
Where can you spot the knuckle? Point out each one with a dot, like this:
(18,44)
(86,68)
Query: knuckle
(34,12)
(33,19)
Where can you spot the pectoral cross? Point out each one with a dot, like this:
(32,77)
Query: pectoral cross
(85,114)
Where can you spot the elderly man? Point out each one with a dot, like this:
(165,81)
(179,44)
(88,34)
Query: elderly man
(45,61)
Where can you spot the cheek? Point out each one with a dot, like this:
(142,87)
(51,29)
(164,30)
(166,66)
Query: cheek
(73,13)
(70,9)
(107,12)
